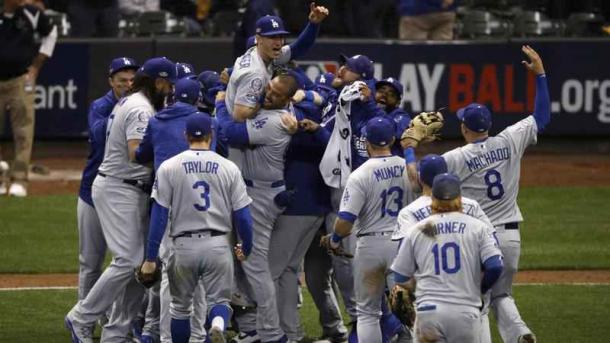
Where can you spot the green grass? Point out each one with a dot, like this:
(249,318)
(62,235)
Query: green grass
(564,228)
(555,313)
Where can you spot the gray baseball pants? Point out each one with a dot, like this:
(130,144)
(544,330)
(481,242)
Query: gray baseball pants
(444,322)
(91,247)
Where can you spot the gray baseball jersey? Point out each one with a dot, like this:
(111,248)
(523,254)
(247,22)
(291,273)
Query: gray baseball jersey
(128,121)
(264,160)
(420,209)
(447,268)
(489,170)
(250,76)
(375,193)
(201,188)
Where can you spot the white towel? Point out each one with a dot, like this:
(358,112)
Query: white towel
(336,164)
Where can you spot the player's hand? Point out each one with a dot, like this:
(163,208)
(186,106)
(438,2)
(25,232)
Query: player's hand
(365,92)
(239,252)
(298,96)
(317,13)
(290,123)
(148,268)
(309,125)
(220,96)
(535,63)
(224,76)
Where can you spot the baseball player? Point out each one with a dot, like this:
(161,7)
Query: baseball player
(489,168)
(371,201)
(91,243)
(388,94)
(203,191)
(263,170)
(445,253)
(253,70)
(184,69)
(164,139)
(120,196)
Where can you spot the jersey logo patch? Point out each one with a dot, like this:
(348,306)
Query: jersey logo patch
(256,85)
(258,124)
(346,196)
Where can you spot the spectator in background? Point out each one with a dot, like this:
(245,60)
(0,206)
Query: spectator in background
(135,7)
(21,58)
(254,10)
(427,19)
(97,18)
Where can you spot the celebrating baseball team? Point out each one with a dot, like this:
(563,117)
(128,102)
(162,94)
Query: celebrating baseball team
(215,192)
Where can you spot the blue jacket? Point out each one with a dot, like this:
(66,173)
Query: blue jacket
(302,173)
(402,120)
(97,118)
(420,7)
(164,136)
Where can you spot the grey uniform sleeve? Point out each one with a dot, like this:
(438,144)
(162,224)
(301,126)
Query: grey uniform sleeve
(404,262)
(162,189)
(452,159)
(250,88)
(521,134)
(353,198)
(285,55)
(406,220)
(136,122)
(265,129)
(239,195)
(488,244)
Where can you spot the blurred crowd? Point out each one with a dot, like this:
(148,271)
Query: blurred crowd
(404,19)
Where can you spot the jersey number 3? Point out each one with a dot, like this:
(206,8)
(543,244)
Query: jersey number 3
(442,255)
(493,180)
(205,195)
(397,201)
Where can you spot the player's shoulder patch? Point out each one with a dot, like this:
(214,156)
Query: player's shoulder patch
(245,60)
(259,123)
(256,84)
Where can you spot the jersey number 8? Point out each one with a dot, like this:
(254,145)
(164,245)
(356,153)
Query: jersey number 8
(493,180)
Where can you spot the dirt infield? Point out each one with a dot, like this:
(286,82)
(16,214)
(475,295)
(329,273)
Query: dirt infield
(523,277)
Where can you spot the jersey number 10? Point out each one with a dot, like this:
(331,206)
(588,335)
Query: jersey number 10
(443,263)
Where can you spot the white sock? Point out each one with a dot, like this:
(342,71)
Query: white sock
(219,323)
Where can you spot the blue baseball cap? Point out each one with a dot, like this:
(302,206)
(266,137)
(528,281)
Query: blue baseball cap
(325,81)
(210,82)
(251,42)
(379,131)
(429,167)
(199,125)
(446,186)
(476,117)
(122,63)
(188,91)
(184,70)
(159,67)
(270,25)
(359,64)
(392,82)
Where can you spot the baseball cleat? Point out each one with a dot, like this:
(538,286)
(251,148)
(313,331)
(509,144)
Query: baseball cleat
(216,335)
(79,334)
(17,190)
(527,338)
(246,337)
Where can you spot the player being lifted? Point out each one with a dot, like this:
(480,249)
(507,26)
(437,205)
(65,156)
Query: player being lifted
(444,254)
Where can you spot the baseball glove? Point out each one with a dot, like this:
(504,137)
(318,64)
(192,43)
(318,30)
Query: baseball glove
(425,127)
(338,251)
(402,304)
(148,280)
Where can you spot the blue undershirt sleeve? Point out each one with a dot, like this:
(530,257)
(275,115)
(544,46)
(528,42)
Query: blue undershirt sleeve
(158,223)
(305,41)
(236,133)
(492,268)
(350,217)
(145,153)
(542,105)
(243,221)
(399,278)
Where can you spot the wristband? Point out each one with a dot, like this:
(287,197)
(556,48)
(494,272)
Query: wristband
(309,96)
(335,240)
(410,155)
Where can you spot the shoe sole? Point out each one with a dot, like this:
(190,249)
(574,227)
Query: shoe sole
(70,328)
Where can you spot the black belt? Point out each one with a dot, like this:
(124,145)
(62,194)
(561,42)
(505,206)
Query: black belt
(136,183)
(511,226)
(269,184)
(373,234)
(213,233)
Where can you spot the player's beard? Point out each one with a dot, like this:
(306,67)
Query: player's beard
(158,99)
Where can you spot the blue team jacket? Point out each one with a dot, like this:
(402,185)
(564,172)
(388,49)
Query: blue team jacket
(99,111)
(402,120)
(301,171)
(164,136)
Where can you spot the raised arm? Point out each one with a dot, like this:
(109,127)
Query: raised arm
(542,107)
